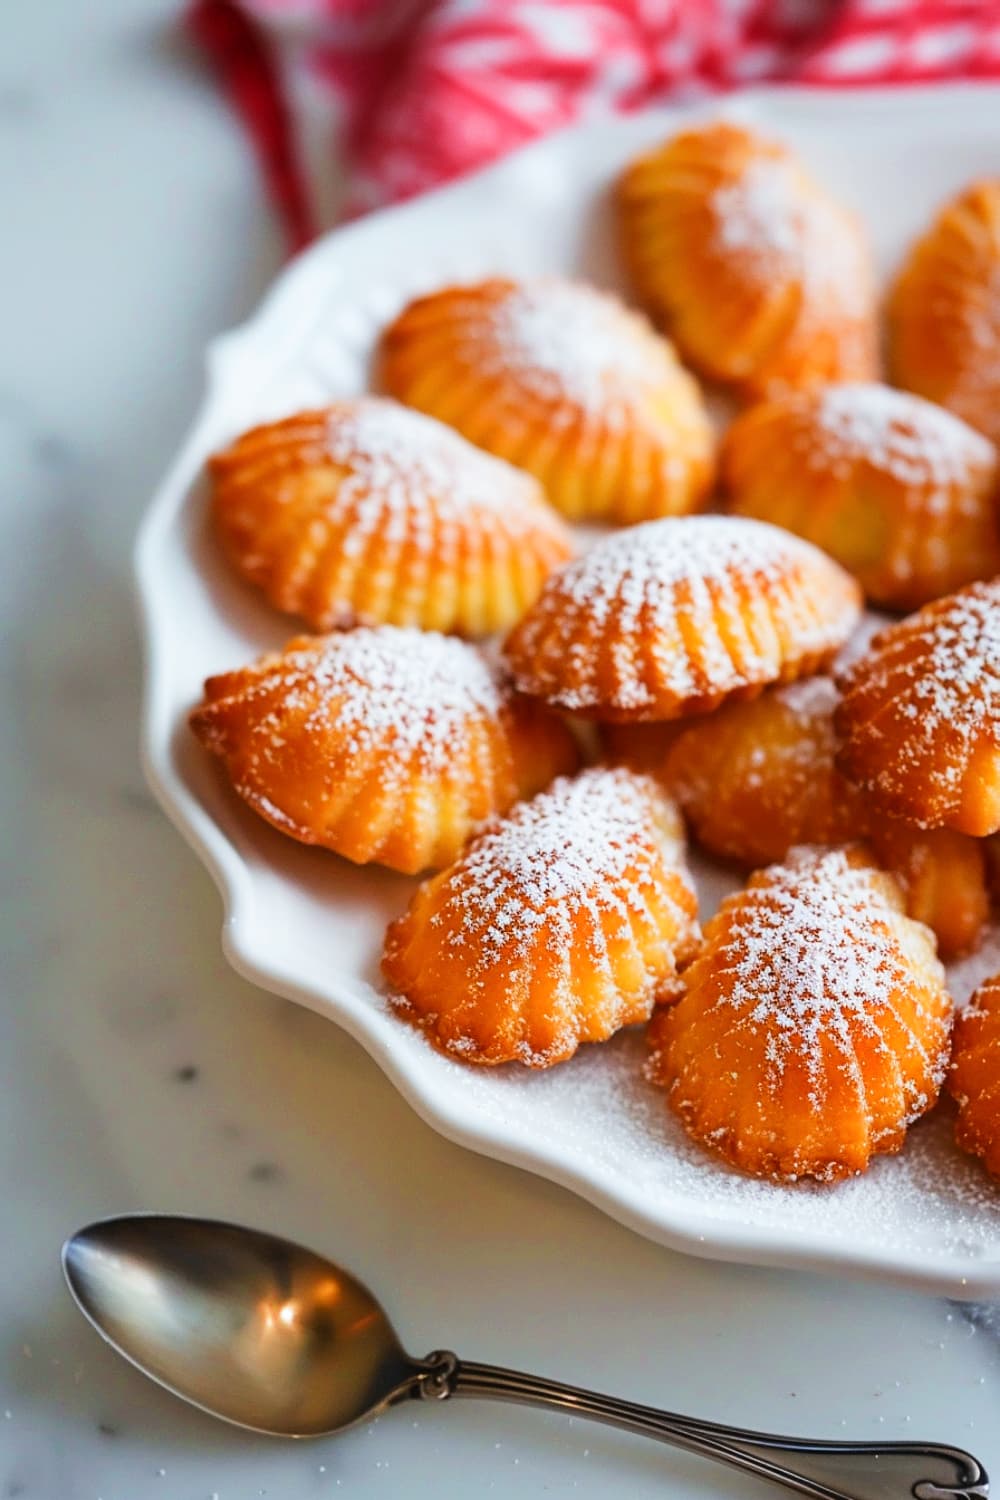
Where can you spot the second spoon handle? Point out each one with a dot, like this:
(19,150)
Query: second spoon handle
(824,1470)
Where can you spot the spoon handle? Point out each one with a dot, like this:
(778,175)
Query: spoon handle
(826,1470)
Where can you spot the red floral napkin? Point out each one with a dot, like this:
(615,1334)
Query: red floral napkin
(356,103)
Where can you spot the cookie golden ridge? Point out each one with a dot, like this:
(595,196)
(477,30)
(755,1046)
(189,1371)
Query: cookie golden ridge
(673,617)
(385,745)
(901,492)
(814,1027)
(759,276)
(944,310)
(560,924)
(919,716)
(565,382)
(367,512)
(756,778)
(974,1079)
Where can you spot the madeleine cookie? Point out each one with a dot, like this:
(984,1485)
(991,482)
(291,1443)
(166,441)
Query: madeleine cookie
(367,512)
(564,381)
(563,922)
(674,617)
(385,745)
(901,492)
(756,778)
(814,1027)
(919,717)
(944,310)
(760,277)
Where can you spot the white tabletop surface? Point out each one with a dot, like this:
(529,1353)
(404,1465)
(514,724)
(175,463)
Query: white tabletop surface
(136,1071)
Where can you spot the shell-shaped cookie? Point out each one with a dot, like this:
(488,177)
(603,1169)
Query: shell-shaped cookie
(565,382)
(560,924)
(919,716)
(814,1027)
(901,492)
(759,276)
(386,745)
(943,875)
(944,310)
(974,1079)
(367,512)
(673,617)
(756,778)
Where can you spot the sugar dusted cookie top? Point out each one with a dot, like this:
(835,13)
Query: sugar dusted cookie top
(675,616)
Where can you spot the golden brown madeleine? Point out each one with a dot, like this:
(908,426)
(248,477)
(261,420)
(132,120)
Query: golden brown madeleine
(903,494)
(386,745)
(367,512)
(564,381)
(674,617)
(563,922)
(974,1079)
(760,277)
(756,778)
(814,1027)
(943,876)
(944,310)
(919,716)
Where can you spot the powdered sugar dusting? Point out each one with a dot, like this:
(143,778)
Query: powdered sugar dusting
(569,850)
(651,560)
(406,473)
(959,687)
(905,436)
(596,1119)
(815,957)
(638,583)
(783,231)
(567,342)
(408,691)
(948,691)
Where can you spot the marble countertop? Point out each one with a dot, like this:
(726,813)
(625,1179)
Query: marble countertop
(137,1071)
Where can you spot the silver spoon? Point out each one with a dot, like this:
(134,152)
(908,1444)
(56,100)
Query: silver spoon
(272,1337)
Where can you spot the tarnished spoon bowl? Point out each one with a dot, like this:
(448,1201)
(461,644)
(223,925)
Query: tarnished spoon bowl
(263,1333)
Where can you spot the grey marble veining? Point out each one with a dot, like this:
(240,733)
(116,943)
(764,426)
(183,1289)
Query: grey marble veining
(136,1070)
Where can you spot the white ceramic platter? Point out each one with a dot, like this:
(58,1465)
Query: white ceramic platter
(307,925)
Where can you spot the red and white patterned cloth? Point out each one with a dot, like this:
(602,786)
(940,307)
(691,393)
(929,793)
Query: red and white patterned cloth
(355,103)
